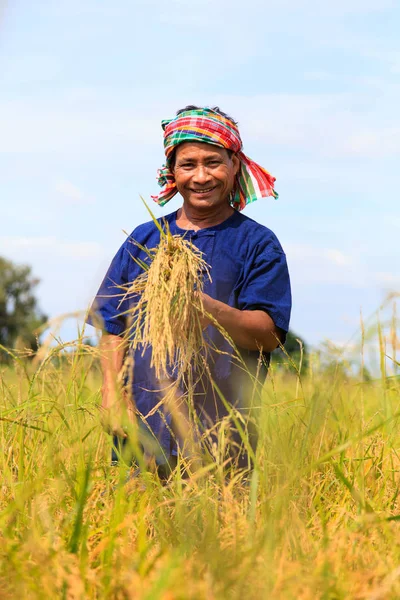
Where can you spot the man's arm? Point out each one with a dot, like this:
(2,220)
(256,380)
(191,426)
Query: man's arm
(112,354)
(249,329)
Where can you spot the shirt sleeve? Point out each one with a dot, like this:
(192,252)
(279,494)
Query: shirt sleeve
(266,286)
(109,305)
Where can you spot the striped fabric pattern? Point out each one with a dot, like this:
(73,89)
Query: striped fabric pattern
(205,125)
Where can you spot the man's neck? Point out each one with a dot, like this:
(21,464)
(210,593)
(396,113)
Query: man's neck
(189,218)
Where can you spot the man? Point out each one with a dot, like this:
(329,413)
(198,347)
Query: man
(249,291)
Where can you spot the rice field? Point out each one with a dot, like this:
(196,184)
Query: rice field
(318,517)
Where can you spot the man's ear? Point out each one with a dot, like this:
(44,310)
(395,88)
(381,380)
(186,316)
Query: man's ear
(236,163)
(172,161)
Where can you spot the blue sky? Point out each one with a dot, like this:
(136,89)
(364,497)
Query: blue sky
(315,88)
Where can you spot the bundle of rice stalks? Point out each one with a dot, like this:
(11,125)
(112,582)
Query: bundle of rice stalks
(168,313)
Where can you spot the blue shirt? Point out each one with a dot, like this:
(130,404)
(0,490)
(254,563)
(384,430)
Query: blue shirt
(248,271)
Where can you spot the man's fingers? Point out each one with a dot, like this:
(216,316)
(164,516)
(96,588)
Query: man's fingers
(119,432)
(115,430)
(111,424)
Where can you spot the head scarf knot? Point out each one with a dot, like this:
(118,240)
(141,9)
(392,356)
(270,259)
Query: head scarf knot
(206,125)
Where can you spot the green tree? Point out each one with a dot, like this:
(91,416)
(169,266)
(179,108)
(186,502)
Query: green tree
(19,312)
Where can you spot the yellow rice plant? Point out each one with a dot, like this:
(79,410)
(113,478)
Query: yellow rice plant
(168,313)
(318,520)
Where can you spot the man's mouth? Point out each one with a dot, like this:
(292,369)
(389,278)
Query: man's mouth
(203,190)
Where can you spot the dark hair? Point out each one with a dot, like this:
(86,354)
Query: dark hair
(216,109)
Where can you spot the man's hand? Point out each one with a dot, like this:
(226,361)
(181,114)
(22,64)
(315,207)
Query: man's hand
(117,412)
(117,409)
(204,320)
(249,329)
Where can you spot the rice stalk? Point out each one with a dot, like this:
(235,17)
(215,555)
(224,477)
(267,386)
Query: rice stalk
(167,315)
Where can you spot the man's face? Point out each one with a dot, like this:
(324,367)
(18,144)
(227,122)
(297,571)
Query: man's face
(204,174)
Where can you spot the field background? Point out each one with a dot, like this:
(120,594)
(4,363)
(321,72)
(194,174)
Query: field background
(317,518)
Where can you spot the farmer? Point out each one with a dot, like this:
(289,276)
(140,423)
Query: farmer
(249,291)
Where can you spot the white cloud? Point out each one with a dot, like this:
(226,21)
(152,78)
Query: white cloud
(312,122)
(389,56)
(374,143)
(70,128)
(309,265)
(72,193)
(318,76)
(388,280)
(337,8)
(89,122)
(18,247)
(74,7)
(391,220)
(323,125)
(332,255)
(30,69)
(338,258)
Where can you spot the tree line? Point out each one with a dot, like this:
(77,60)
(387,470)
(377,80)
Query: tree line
(20,315)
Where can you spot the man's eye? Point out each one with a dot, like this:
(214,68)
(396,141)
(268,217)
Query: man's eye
(214,163)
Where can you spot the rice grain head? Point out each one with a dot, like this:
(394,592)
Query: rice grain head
(167,314)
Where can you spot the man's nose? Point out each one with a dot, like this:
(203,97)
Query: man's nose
(201,175)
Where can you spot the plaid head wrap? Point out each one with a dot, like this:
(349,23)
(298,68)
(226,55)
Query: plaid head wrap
(208,126)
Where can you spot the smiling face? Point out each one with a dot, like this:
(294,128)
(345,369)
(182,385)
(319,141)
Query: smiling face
(205,175)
